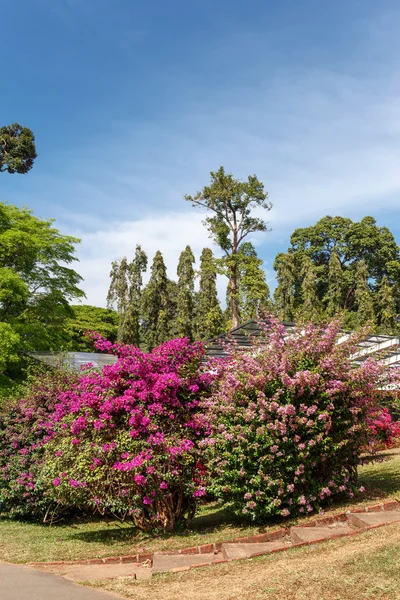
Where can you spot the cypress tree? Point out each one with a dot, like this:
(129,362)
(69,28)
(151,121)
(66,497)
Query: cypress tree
(185,297)
(209,317)
(386,306)
(363,296)
(336,286)
(284,295)
(252,285)
(130,324)
(156,305)
(118,292)
(310,309)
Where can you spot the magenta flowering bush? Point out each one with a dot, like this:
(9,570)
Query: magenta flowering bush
(26,426)
(126,440)
(290,420)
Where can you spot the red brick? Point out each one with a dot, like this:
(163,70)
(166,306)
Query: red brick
(179,569)
(220,561)
(317,541)
(392,505)
(112,560)
(359,509)
(206,548)
(94,561)
(193,550)
(129,559)
(145,556)
(200,565)
(375,508)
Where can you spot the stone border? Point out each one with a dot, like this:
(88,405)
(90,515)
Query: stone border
(215,548)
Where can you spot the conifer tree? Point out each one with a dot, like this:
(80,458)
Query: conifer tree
(129,331)
(334,298)
(185,299)
(156,305)
(209,317)
(284,295)
(363,295)
(386,306)
(252,284)
(311,309)
(118,292)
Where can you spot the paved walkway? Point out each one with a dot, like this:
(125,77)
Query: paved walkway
(24,583)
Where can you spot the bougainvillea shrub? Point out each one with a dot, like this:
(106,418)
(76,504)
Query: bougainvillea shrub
(129,444)
(290,421)
(25,427)
(385,431)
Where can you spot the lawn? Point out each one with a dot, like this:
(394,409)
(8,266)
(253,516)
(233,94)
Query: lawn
(26,541)
(362,567)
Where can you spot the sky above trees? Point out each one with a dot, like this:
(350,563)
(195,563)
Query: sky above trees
(133,104)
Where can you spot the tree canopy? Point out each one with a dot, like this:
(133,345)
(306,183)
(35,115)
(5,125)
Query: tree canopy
(350,261)
(37,282)
(17,149)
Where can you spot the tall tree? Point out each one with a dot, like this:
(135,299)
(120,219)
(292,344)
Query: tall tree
(386,306)
(253,290)
(336,245)
(310,309)
(209,318)
(37,282)
(130,330)
(335,296)
(118,292)
(156,305)
(185,298)
(232,203)
(363,295)
(17,149)
(284,294)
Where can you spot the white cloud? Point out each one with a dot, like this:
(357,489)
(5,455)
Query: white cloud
(323,142)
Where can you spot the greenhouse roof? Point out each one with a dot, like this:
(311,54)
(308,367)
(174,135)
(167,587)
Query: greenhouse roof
(75,360)
(387,346)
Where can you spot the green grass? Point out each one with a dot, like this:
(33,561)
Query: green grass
(22,541)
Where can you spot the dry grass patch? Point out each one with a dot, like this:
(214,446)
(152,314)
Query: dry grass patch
(367,566)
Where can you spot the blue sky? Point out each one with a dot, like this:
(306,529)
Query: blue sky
(133,103)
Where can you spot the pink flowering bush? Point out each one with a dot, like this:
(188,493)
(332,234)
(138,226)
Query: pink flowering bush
(126,440)
(25,427)
(290,420)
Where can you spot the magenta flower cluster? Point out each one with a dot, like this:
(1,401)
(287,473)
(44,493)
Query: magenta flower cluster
(127,440)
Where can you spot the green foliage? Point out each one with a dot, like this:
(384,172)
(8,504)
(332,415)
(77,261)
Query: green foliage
(158,305)
(129,331)
(386,306)
(363,296)
(118,292)
(209,318)
(232,203)
(284,294)
(350,260)
(185,298)
(10,343)
(310,310)
(253,289)
(17,149)
(36,280)
(90,318)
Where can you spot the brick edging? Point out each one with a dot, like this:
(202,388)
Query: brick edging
(147,557)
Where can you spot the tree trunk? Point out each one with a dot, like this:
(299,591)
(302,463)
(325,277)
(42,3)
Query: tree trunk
(234,297)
